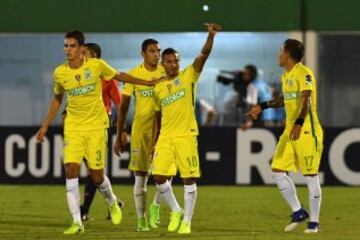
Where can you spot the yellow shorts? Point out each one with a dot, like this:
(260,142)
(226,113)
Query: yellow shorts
(178,152)
(91,145)
(304,154)
(140,146)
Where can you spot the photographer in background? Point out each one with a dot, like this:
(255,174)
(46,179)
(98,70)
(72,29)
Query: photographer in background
(234,106)
(257,90)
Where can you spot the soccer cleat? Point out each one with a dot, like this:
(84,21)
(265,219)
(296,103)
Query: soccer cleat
(296,218)
(154,220)
(185,228)
(75,228)
(142,225)
(313,227)
(121,205)
(175,218)
(115,213)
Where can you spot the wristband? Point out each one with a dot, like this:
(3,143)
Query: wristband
(299,121)
(263,105)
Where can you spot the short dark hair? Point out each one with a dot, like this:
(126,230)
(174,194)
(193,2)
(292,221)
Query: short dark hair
(253,71)
(79,36)
(147,42)
(94,48)
(168,51)
(295,48)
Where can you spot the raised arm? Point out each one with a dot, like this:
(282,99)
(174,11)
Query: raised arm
(53,109)
(200,60)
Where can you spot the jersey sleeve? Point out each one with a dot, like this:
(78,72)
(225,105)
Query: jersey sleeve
(58,88)
(107,72)
(305,80)
(191,74)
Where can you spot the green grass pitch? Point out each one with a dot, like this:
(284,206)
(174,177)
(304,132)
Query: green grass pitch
(237,212)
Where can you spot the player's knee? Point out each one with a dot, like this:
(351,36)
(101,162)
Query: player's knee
(97,179)
(159,179)
(141,173)
(189,181)
(72,170)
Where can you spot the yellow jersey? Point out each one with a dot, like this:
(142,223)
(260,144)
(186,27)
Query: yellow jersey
(298,79)
(83,88)
(144,108)
(176,101)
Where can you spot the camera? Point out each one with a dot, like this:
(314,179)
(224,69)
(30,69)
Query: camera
(236,78)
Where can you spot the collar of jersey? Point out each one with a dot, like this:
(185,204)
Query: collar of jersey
(84,61)
(294,68)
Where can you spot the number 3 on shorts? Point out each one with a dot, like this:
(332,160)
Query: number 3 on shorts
(98,155)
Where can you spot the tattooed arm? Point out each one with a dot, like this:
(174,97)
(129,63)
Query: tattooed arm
(274,103)
(305,100)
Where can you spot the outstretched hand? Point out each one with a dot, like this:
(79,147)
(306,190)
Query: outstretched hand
(156,81)
(213,28)
(40,135)
(254,112)
(120,141)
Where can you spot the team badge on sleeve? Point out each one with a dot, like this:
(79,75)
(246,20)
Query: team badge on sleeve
(308,79)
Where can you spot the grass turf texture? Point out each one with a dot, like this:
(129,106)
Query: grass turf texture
(40,212)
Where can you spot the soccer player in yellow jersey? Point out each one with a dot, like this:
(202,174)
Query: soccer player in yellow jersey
(85,124)
(141,134)
(301,144)
(176,143)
